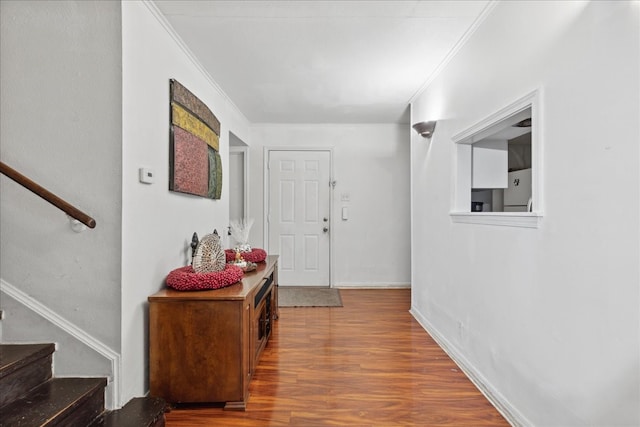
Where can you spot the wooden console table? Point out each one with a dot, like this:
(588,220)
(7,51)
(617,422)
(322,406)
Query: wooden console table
(204,345)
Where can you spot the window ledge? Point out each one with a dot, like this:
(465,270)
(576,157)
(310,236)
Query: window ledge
(507,219)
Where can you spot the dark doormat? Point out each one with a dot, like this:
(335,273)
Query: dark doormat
(296,296)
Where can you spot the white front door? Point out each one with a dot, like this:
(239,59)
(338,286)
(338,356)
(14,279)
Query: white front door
(298,216)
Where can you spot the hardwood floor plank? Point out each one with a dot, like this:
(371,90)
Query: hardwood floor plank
(368,363)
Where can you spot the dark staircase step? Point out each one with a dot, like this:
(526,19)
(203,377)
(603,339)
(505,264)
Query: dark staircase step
(138,412)
(22,368)
(31,397)
(68,402)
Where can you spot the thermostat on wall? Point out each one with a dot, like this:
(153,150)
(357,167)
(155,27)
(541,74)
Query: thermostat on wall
(146,175)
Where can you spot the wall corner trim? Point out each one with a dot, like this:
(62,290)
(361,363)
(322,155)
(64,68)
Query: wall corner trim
(77,333)
(454,51)
(508,411)
(153,8)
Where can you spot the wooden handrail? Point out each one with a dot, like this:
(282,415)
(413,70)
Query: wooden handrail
(56,201)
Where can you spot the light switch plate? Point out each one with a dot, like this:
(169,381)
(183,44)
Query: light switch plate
(345,213)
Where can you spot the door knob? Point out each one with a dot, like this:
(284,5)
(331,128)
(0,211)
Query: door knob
(325,229)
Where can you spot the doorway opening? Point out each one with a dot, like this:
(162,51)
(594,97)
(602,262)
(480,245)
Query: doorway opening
(238,179)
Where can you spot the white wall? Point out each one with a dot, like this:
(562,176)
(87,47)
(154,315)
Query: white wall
(85,103)
(371,164)
(60,118)
(548,318)
(157,224)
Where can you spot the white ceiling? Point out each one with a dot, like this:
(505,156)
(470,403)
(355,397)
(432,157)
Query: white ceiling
(321,61)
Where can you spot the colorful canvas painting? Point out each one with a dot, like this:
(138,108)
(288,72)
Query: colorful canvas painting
(195,162)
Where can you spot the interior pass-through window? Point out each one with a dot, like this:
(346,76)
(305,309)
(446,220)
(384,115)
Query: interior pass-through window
(498,172)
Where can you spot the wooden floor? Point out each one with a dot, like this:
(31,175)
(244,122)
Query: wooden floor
(368,363)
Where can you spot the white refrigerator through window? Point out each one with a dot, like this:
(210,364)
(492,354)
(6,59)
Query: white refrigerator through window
(517,197)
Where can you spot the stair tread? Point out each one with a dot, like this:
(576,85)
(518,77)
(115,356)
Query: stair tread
(138,412)
(15,356)
(49,400)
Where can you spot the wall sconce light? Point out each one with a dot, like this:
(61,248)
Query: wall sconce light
(425,129)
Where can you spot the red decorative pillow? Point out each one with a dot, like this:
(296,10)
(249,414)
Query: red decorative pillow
(186,279)
(256,255)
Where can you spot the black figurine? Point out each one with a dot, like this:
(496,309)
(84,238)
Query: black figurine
(194,244)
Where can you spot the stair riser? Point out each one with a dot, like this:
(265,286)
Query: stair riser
(84,414)
(138,412)
(18,383)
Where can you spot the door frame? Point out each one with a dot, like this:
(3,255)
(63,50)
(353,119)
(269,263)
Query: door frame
(265,201)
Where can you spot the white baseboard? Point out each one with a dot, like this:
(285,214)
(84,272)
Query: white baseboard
(508,411)
(113,386)
(369,285)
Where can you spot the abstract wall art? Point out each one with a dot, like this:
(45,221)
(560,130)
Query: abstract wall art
(194,138)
